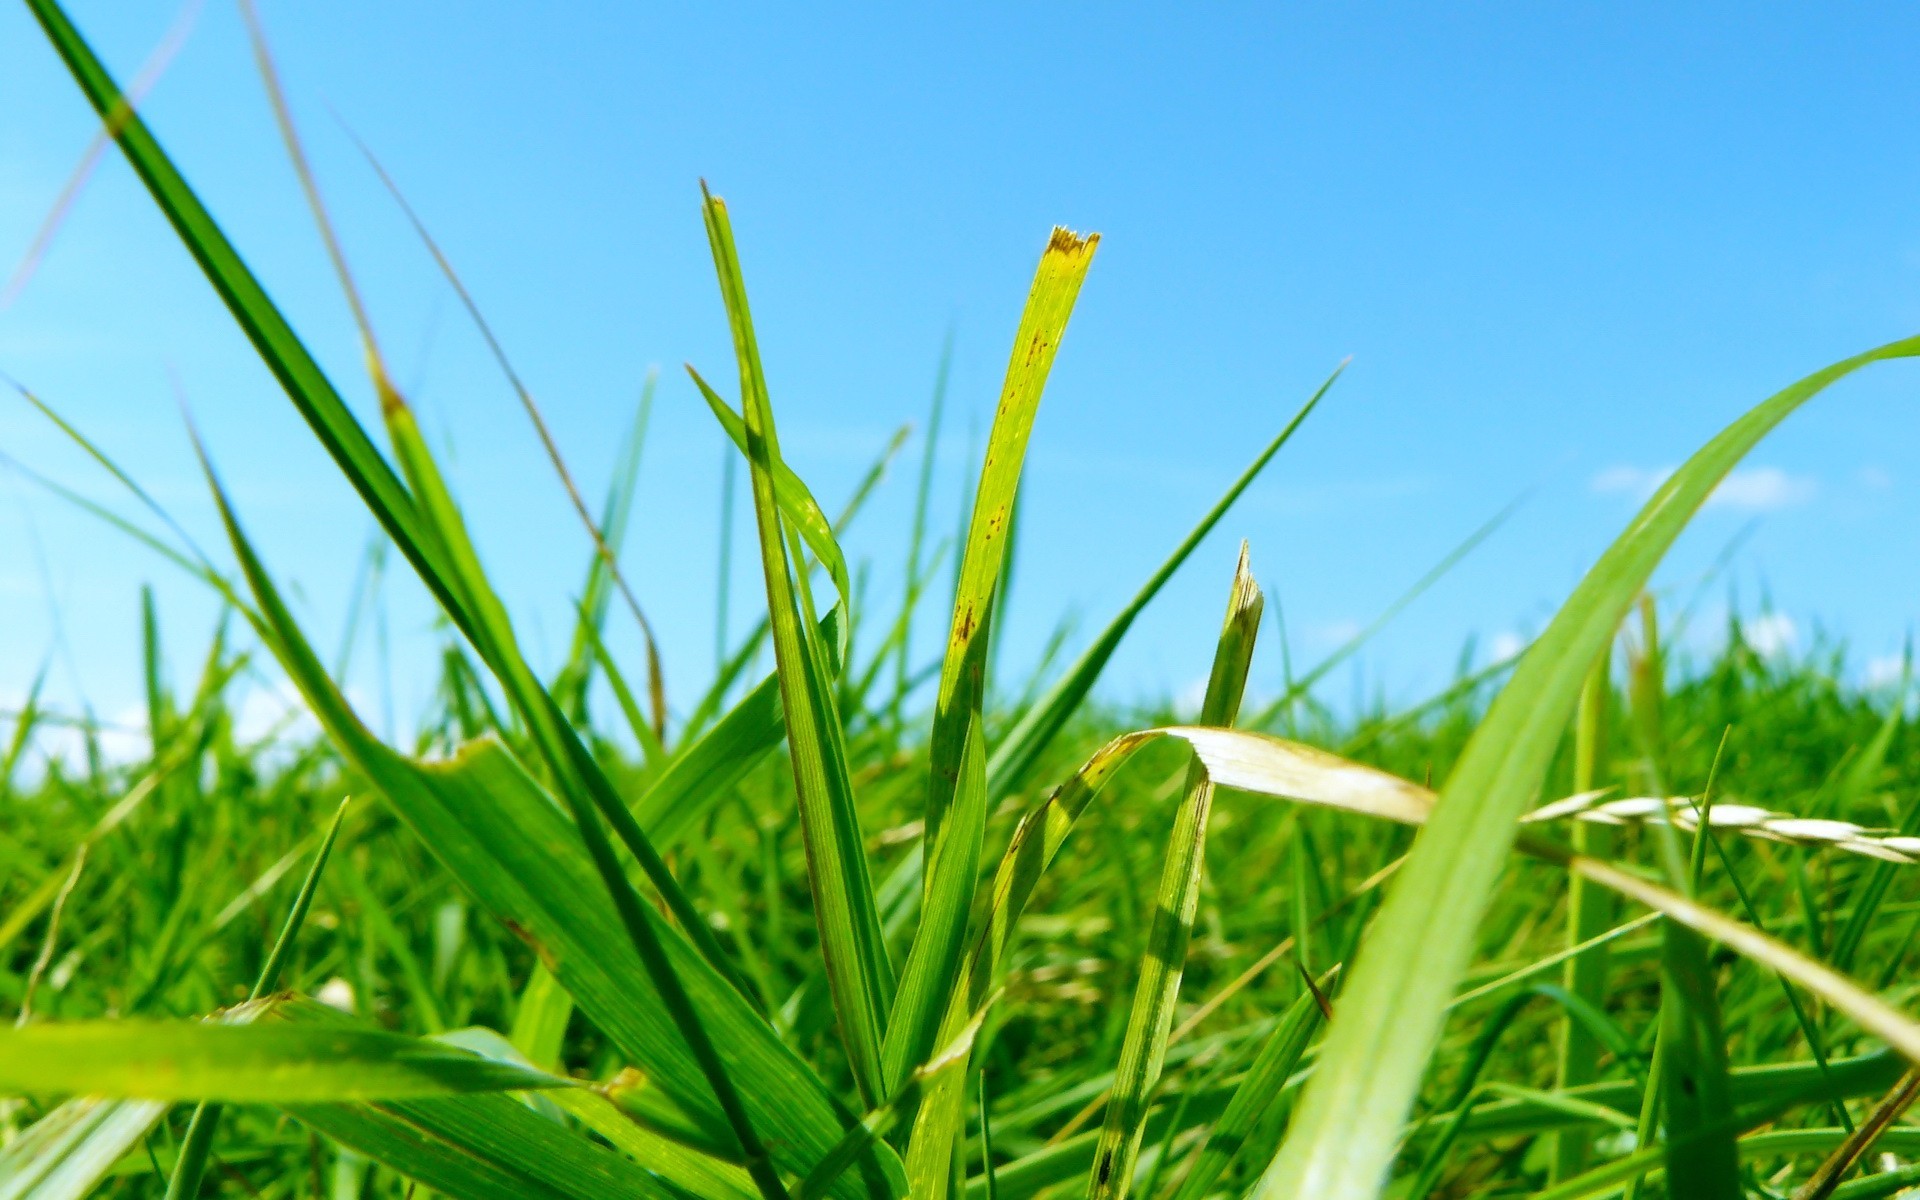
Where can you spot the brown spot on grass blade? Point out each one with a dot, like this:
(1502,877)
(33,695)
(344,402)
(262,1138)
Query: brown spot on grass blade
(1319,997)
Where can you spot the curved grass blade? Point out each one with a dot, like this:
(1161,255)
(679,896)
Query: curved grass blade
(1038,725)
(858,971)
(1143,1052)
(1343,1141)
(795,500)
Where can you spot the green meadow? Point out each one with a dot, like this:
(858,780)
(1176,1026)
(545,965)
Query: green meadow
(876,918)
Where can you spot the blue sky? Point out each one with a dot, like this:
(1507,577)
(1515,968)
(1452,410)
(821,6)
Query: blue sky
(1563,244)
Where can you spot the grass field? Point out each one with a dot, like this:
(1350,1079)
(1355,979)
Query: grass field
(871,920)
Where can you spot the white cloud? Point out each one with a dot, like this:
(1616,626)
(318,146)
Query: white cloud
(1623,480)
(1762,489)
(1770,634)
(1188,701)
(1752,489)
(1505,645)
(1885,671)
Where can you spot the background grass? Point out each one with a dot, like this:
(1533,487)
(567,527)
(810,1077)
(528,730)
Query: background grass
(175,909)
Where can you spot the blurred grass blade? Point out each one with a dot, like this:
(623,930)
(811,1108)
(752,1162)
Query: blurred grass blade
(1699,1109)
(1376,1054)
(198,1142)
(67,1153)
(1056,284)
(1023,744)
(858,971)
(275,341)
(1144,1051)
(1590,913)
(1271,1068)
(540,1018)
(265,1062)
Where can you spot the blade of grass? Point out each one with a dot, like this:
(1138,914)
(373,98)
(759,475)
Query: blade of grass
(264,1062)
(1143,1052)
(858,970)
(1279,1054)
(1056,284)
(1342,1143)
(1589,914)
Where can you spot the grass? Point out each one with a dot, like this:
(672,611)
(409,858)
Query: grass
(814,937)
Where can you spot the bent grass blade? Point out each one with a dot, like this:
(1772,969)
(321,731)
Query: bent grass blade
(1376,1053)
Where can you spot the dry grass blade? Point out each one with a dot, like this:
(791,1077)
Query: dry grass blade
(1827,1177)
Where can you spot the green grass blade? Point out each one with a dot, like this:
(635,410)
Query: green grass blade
(1376,1053)
(933,960)
(791,494)
(1696,1099)
(1589,914)
(1144,1051)
(275,341)
(616,514)
(510,845)
(205,1123)
(266,1062)
(1868,895)
(67,1153)
(1030,736)
(1265,1079)
(858,971)
(919,570)
(1056,284)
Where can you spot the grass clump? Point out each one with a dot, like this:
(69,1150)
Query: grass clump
(809,941)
